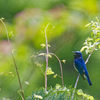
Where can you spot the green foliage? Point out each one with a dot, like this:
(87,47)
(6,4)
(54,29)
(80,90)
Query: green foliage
(49,71)
(85,96)
(92,42)
(57,93)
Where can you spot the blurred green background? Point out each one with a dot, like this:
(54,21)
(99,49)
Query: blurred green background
(28,19)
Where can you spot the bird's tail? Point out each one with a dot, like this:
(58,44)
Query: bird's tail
(89,81)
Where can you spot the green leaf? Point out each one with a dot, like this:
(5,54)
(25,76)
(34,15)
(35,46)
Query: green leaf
(55,76)
(98,39)
(64,61)
(11,34)
(57,86)
(99,46)
(97,19)
(41,54)
(89,39)
(90,97)
(38,96)
(84,47)
(49,71)
(43,45)
(87,24)
(80,92)
(13,50)
(49,45)
(50,55)
(26,82)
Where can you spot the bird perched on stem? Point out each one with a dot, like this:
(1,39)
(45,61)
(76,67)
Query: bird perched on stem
(80,66)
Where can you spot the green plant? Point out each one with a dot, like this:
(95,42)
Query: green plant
(56,93)
(59,92)
(12,51)
(48,70)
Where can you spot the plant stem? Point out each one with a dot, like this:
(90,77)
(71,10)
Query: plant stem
(60,68)
(79,74)
(42,71)
(46,57)
(75,86)
(13,59)
(90,55)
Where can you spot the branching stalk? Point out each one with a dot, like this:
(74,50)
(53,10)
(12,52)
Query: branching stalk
(13,58)
(60,68)
(46,57)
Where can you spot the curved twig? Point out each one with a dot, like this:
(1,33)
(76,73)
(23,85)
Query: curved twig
(60,68)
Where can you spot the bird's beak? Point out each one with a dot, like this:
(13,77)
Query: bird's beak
(73,52)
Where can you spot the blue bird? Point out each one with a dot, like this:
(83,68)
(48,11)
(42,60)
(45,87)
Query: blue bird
(80,66)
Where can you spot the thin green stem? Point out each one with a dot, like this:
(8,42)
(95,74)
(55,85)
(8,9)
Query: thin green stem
(60,68)
(42,71)
(59,76)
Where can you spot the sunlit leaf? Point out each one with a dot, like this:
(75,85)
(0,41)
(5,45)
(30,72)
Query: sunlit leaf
(49,71)
(80,92)
(97,19)
(84,47)
(89,39)
(13,50)
(49,45)
(55,76)
(11,34)
(98,39)
(41,54)
(90,97)
(87,24)
(99,46)
(2,18)
(43,45)
(50,55)
(38,96)
(85,95)
(64,61)
(58,86)
(26,82)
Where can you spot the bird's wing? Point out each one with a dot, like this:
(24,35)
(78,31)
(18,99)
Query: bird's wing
(79,67)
